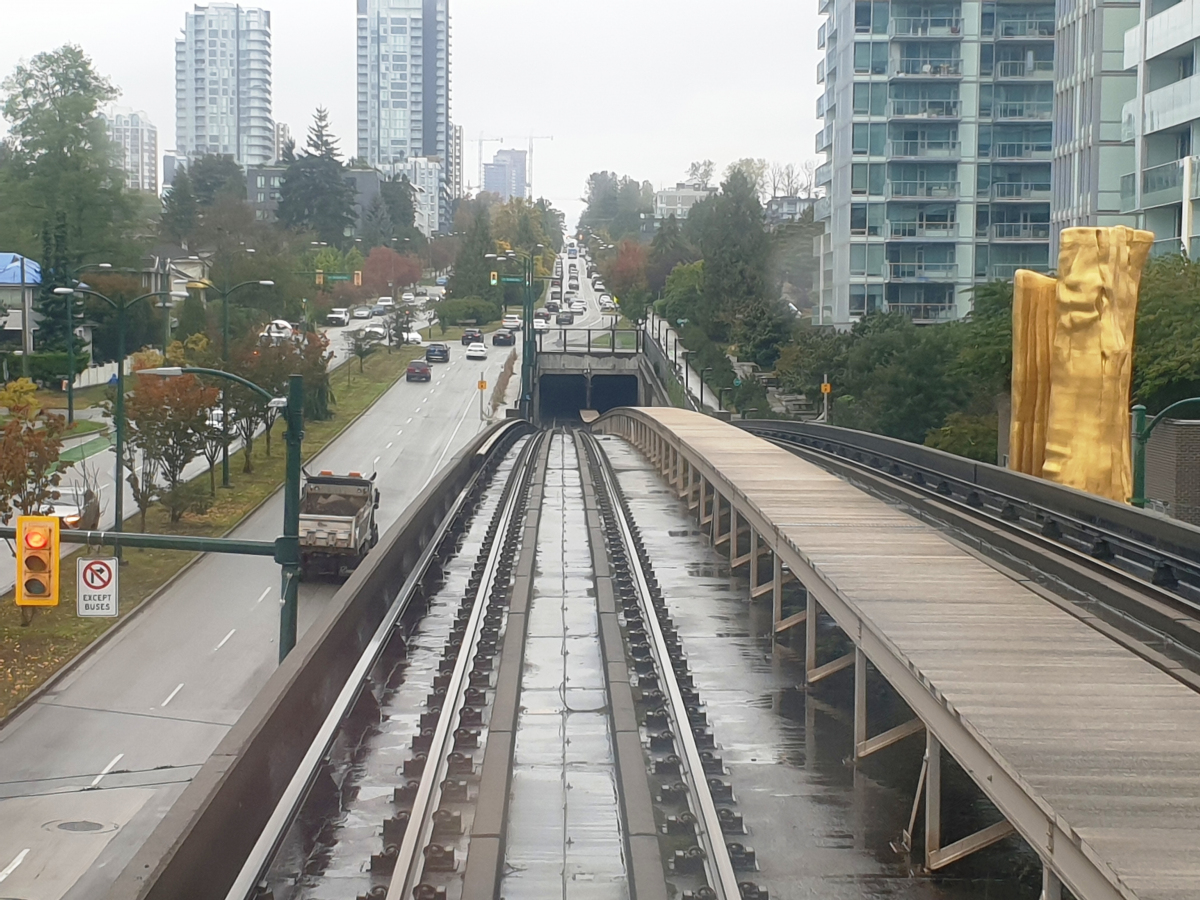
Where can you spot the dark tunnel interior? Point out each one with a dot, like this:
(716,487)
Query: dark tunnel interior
(563,396)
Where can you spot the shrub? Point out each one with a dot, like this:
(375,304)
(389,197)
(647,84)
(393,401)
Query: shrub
(469,310)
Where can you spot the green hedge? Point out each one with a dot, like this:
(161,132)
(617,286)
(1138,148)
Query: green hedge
(468,310)
(49,369)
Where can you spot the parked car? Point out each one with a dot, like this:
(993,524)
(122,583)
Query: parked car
(564,318)
(477,351)
(418,370)
(437,353)
(504,338)
(362,312)
(511,322)
(472,336)
(442,281)
(422,292)
(338,317)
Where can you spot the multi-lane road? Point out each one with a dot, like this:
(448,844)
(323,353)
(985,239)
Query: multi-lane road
(88,770)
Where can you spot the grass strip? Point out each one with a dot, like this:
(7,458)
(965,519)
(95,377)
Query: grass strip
(86,449)
(29,655)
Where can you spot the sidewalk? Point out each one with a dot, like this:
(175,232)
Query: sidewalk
(661,332)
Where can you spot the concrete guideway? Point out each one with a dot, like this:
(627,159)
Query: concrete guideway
(139,717)
(1087,750)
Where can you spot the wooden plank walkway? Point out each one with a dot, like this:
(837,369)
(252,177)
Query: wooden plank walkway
(1107,745)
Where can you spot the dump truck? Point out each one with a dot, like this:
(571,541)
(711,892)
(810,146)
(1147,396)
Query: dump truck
(337,523)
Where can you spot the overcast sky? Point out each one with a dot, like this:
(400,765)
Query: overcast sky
(641,87)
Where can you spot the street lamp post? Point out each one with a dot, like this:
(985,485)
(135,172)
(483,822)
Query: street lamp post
(119,412)
(293,411)
(702,371)
(225,295)
(71,337)
(528,336)
(686,385)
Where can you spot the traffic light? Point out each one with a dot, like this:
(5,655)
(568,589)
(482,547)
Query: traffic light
(495,279)
(320,277)
(37,561)
(358,277)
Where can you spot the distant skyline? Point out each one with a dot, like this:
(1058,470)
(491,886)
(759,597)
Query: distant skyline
(628,86)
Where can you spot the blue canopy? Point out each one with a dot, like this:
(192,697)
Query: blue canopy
(10,269)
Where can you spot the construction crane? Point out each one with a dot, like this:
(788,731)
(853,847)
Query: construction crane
(528,163)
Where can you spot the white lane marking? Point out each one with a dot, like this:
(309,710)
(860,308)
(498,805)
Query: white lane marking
(375,461)
(410,418)
(116,759)
(263,596)
(171,696)
(389,445)
(400,432)
(424,399)
(225,639)
(467,407)
(12,866)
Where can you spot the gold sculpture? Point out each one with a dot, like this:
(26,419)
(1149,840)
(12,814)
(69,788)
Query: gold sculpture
(1073,359)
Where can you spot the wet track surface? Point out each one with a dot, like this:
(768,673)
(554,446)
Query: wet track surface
(819,828)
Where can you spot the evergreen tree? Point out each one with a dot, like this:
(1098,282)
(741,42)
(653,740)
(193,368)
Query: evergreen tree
(377,228)
(192,317)
(667,250)
(56,272)
(398,197)
(180,209)
(316,194)
(213,176)
(472,271)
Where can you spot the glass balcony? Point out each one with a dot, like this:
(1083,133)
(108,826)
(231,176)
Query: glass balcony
(1041,110)
(1041,69)
(1022,150)
(926,312)
(1167,247)
(1020,231)
(925,230)
(925,149)
(824,6)
(918,271)
(926,109)
(1021,190)
(949,67)
(1024,28)
(921,190)
(925,26)
(1163,185)
(823,174)
(1006,271)
(1129,192)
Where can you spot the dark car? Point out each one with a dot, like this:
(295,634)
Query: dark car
(437,353)
(564,318)
(472,336)
(503,338)
(418,370)
(552,306)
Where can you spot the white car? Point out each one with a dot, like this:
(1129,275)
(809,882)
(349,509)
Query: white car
(512,323)
(476,351)
(338,317)
(578,306)
(362,312)
(409,298)
(386,302)
(376,331)
(541,325)
(412,337)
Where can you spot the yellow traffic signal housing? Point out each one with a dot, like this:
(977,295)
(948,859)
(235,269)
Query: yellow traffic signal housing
(495,279)
(358,277)
(37,561)
(320,277)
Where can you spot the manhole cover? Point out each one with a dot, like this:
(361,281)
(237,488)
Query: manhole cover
(80,826)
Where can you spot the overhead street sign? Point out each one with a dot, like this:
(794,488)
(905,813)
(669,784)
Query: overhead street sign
(512,279)
(96,587)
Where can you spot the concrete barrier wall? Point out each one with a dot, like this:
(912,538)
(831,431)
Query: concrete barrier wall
(198,849)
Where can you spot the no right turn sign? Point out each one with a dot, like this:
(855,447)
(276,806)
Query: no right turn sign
(96,587)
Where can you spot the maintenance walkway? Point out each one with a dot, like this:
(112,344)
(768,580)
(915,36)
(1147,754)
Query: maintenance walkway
(1089,752)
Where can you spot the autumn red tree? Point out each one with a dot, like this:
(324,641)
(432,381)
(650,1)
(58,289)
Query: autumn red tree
(385,269)
(625,273)
(30,444)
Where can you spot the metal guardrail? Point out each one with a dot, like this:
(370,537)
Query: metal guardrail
(591,341)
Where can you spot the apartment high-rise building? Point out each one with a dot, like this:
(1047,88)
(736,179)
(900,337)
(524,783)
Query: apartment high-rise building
(937,133)
(223,84)
(456,162)
(137,139)
(507,174)
(1161,125)
(1091,86)
(427,175)
(283,136)
(403,81)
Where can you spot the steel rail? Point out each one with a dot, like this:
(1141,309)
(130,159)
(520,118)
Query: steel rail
(723,879)
(410,857)
(290,803)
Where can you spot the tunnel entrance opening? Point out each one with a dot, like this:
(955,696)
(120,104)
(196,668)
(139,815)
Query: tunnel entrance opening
(561,397)
(612,391)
